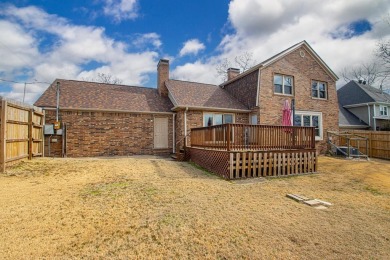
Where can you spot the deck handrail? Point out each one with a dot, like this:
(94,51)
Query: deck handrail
(253,137)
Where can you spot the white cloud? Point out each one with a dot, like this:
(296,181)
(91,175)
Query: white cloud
(197,71)
(192,46)
(121,9)
(143,40)
(71,48)
(267,27)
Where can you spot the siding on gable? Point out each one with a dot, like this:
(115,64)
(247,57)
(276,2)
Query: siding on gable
(245,89)
(304,70)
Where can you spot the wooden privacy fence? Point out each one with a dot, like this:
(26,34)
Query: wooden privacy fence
(236,137)
(21,132)
(378,143)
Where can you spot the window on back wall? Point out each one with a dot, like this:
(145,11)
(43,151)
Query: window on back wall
(283,84)
(383,110)
(210,119)
(319,89)
(314,119)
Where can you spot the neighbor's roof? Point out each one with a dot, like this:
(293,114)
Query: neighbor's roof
(91,95)
(199,95)
(357,93)
(346,119)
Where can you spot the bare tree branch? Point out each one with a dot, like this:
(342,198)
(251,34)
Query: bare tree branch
(370,72)
(243,62)
(105,78)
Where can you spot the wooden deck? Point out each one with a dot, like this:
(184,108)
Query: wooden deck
(254,150)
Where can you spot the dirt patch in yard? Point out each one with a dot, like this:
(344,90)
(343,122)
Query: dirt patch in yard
(158,208)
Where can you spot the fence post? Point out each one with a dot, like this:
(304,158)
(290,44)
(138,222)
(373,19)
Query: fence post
(30,130)
(370,144)
(228,137)
(3,135)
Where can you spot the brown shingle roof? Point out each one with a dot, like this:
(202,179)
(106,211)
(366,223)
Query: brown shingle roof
(92,95)
(192,94)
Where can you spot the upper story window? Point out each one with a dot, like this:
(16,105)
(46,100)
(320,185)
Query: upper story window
(283,84)
(383,110)
(309,118)
(319,89)
(210,119)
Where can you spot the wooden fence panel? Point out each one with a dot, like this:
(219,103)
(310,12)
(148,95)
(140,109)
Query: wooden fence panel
(21,132)
(378,144)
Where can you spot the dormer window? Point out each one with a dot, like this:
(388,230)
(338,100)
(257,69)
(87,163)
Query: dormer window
(283,84)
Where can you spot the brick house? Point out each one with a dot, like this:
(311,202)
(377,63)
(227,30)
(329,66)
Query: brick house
(103,119)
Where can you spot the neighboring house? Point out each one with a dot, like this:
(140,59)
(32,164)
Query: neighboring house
(363,106)
(103,119)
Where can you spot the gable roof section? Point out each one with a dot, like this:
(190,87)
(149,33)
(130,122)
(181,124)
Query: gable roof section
(282,54)
(347,119)
(199,95)
(356,93)
(376,94)
(91,95)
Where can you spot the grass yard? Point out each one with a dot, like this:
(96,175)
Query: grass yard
(142,207)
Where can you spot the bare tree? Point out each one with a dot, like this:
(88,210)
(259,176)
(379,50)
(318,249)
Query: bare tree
(108,78)
(105,78)
(243,62)
(370,72)
(383,49)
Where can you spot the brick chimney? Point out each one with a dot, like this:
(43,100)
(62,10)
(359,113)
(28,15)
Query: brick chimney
(232,73)
(162,76)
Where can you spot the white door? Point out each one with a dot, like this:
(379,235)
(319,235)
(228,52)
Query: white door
(160,132)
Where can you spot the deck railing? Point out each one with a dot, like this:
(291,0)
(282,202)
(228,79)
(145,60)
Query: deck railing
(237,137)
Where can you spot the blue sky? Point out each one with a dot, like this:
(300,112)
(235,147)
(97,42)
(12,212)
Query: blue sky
(43,40)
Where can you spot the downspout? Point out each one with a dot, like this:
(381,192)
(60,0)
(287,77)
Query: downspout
(185,127)
(58,100)
(369,115)
(173,133)
(374,117)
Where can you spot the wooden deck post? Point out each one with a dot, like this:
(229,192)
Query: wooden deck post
(3,135)
(228,137)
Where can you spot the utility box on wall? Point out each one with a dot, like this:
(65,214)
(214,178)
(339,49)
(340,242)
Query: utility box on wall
(48,130)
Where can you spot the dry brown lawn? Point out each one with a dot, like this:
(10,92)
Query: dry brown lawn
(140,207)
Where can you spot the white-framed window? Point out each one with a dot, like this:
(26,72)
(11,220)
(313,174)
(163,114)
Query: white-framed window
(319,89)
(210,119)
(283,84)
(308,118)
(254,119)
(383,110)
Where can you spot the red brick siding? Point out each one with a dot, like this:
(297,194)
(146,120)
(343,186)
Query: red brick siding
(304,70)
(108,134)
(245,89)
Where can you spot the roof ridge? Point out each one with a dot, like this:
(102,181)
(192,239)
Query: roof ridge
(102,83)
(193,82)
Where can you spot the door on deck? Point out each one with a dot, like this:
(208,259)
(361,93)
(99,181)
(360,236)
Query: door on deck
(160,132)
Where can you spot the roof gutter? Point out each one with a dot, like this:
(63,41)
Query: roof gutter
(365,104)
(211,109)
(108,110)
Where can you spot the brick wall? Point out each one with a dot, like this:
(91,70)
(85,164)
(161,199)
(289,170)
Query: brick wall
(245,89)
(107,134)
(304,70)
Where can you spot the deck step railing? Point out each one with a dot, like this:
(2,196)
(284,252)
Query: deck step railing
(237,137)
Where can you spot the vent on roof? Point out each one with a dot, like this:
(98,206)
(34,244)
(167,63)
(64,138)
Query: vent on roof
(360,81)
(364,82)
